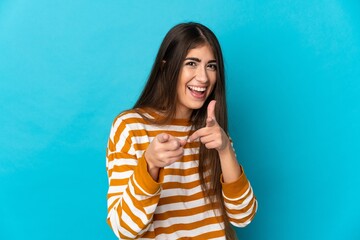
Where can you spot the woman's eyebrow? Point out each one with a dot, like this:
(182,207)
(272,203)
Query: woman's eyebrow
(193,58)
(199,60)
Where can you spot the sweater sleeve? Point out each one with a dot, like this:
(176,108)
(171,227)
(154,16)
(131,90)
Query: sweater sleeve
(132,195)
(240,202)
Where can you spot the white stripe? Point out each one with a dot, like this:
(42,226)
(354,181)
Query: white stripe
(183,165)
(190,218)
(140,139)
(180,206)
(180,191)
(244,224)
(242,205)
(121,175)
(116,126)
(140,126)
(181,179)
(114,222)
(116,189)
(190,151)
(122,162)
(187,152)
(148,139)
(123,137)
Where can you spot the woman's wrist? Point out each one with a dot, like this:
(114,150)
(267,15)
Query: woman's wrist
(226,148)
(153,171)
(229,165)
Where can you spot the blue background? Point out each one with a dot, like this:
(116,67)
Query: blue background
(67,68)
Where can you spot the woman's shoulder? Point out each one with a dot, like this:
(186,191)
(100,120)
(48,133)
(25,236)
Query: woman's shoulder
(134,115)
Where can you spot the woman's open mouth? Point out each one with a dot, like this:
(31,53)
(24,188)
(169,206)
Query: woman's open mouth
(197,92)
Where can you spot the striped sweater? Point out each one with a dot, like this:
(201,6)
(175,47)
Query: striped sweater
(174,207)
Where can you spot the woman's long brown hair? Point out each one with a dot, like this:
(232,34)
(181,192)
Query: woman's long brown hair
(160,95)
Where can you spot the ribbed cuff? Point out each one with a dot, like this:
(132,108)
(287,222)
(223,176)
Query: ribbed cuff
(143,178)
(237,188)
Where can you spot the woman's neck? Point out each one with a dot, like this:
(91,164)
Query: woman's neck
(183,113)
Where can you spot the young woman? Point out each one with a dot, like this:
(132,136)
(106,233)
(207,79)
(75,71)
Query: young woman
(172,170)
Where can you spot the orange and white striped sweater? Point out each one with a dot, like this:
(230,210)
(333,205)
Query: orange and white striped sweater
(174,207)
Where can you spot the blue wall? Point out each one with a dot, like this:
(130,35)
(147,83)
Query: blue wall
(67,68)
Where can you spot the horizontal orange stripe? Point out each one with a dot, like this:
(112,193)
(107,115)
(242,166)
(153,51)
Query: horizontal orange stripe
(141,146)
(208,235)
(119,182)
(134,120)
(109,195)
(183,212)
(241,200)
(149,234)
(188,226)
(190,157)
(154,133)
(119,155)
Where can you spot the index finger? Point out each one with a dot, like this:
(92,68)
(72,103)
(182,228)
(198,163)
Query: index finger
(197,134)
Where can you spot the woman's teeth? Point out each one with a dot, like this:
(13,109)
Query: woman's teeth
(198,89)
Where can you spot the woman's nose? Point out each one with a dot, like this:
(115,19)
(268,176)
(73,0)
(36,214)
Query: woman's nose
(201,75)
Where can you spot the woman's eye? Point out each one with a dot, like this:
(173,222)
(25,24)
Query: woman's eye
(192,64)
(212,67)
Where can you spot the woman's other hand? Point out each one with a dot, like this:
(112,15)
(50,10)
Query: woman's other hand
(164,150)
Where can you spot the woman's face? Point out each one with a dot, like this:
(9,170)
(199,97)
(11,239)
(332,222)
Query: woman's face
(196,80)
